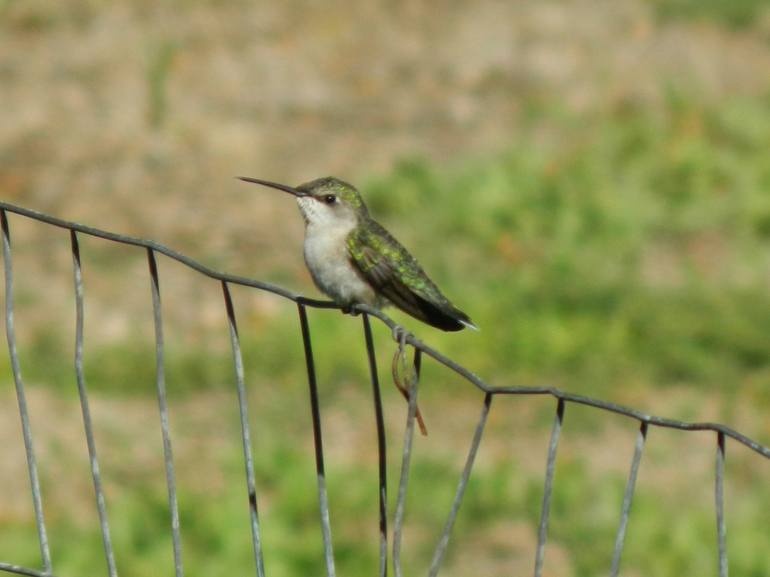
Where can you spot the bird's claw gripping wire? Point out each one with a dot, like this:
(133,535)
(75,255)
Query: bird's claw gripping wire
(350,310)
(403,372)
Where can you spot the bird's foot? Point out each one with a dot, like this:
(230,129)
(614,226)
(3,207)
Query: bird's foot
(350,310)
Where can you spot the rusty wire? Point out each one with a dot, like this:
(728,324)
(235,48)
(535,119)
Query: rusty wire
(563,399)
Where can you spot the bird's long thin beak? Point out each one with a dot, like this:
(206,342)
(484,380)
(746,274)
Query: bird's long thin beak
(283,187)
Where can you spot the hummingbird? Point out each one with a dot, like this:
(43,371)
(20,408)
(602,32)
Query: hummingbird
(354,260)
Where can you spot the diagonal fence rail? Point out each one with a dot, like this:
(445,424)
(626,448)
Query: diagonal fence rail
(403,339)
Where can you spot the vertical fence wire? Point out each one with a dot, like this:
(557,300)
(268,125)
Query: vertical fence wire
(381,446)
(86,410)
(719,496)
(21,397)
(542,532)
(443,542)
(160,382)
(323,499)
(251,484)
(406,462)
(627,498)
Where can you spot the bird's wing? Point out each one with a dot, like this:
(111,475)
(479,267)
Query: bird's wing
(394,273)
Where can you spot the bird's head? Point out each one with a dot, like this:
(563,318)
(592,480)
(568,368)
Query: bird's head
(327,202)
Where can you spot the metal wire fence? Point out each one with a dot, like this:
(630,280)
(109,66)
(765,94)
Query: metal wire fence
(403,339)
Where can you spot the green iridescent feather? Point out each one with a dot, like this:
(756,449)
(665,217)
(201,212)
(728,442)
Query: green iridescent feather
(396,274)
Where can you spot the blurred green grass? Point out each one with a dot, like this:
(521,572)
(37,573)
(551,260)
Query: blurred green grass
(636,240)
(625,252)
(738,14)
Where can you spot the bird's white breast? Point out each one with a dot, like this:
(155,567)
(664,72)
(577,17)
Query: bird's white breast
(327,259)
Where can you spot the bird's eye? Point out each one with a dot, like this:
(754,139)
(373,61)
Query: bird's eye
(330,199)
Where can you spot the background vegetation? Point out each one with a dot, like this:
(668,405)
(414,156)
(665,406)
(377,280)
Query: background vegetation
(587,179)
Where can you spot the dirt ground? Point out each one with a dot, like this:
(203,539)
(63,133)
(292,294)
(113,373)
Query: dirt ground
(135,117)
